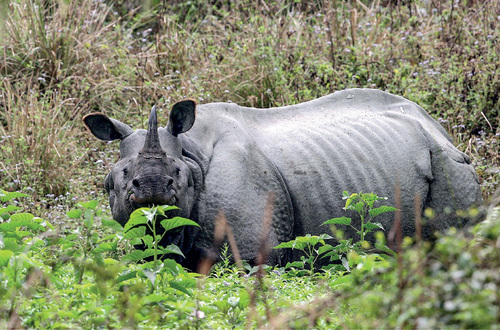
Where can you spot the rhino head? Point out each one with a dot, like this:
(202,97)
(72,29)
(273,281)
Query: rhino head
(151,169)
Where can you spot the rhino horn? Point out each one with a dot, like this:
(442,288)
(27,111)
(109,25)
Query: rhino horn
(152,147)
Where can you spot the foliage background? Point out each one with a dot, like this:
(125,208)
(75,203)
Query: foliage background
(62,59)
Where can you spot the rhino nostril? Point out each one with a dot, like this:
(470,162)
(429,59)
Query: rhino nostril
(135,182)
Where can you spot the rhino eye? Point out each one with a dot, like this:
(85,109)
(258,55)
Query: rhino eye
(125,171)
(177,171)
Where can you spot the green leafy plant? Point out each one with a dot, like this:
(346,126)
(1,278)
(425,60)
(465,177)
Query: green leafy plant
(315,247)
(144,218)
(363,204)
(312,247)
(18,231)
(84,245)
(136,231)
(20,245)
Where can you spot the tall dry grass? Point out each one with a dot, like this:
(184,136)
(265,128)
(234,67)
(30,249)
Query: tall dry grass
(63,59)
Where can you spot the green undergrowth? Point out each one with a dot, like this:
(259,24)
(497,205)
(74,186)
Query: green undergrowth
(93,278)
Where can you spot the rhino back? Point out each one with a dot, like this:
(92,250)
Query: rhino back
(363,155)
(369,141)
(354,140)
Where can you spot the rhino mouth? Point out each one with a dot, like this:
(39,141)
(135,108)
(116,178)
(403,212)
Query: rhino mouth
(136,201)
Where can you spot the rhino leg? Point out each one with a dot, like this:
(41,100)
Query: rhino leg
(240,179)
(454,187)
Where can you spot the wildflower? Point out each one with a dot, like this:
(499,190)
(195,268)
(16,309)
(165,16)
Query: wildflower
(198,314)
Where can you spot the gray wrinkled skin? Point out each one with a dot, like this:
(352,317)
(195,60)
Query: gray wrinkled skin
(232,157)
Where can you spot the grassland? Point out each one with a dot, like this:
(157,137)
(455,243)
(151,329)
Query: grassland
(60,60)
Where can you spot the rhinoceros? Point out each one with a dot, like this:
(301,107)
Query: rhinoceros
(221,157)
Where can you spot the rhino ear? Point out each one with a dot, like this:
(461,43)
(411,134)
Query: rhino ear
(181,117)
(105,128)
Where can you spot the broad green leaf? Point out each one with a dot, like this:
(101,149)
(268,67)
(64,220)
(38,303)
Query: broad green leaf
(325,236)
(134,256)
(12,225)
(334,255)
(9,208)
(11,244)
(386,249)
(7,196)
(182,286)
(340,280)
(74,214)
(46,224)
(345,263)
(334,267)
(88,219)
(23,233)
(338,221)
(380,210)
(149,253)
(171,249)
(135,241)
(147,240)
(157,266)
(373,225)
(89,205)
(110,261)
(325,248)
(106,247)
(285,245)
(299,243)
(244,299)
(136,218)
(296,264)
(5,257)
(150,274)
(173,266)
(347,204)
(176,222)
(22,217)
(135,232)
(359,207)
(312,240)
(222,305)
(21,220)
(126,275)
(111,237)
(112,224)
(165,208)
(12,234)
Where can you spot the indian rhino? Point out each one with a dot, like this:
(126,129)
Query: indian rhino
(231,157)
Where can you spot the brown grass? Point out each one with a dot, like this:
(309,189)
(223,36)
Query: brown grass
(61,60)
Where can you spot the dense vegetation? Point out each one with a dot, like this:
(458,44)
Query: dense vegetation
(64,263)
